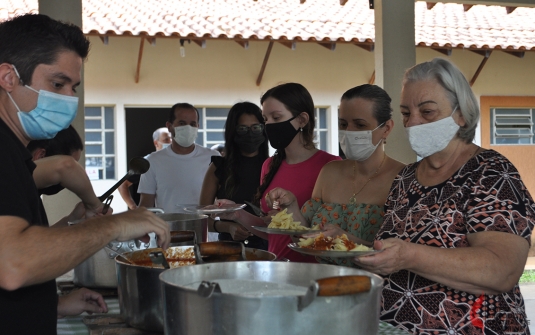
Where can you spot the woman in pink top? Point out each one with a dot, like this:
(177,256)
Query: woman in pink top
(289,113)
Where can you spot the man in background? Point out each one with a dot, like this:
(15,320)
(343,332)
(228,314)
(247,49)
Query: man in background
(176,173)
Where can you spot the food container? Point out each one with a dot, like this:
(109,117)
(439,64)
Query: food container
(184,221)
(202,309)
(98,271)
(140,291)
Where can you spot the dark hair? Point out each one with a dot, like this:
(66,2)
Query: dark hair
(30,40)
(382,108)
(181,105)
(232,150)
(65,142)
(296,98)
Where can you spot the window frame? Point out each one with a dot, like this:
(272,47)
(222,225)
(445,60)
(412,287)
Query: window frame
(103,142)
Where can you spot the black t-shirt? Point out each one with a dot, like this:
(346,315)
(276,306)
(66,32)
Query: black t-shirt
(32,309)
(248,180)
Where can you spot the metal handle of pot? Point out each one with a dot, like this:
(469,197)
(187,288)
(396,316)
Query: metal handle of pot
(182,236)
(221,248)
(343,285)
(334,286)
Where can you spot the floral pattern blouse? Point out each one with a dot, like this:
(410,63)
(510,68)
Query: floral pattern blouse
(486,194)
(360,220)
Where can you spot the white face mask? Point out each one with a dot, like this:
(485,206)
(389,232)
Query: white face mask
(429,138)
(164,145)
(357,145)
(185,135)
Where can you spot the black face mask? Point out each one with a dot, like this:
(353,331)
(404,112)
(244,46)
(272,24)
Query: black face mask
(51,190)
(280,134)
(249,142)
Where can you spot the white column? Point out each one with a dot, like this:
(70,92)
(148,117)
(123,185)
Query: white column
(394,53)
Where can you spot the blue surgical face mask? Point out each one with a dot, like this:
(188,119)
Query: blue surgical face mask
(54,112)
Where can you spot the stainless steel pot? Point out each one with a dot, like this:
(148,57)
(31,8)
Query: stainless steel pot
(98,271)
(182,221)
(140,291)
(206,311)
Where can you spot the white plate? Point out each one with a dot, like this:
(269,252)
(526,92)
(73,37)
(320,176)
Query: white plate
(331,253)
(284,231)
(213,209)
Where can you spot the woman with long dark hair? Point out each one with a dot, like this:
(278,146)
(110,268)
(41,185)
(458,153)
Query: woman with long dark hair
(288,110)
(236,176)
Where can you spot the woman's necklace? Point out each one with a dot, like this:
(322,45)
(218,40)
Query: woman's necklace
(353,199)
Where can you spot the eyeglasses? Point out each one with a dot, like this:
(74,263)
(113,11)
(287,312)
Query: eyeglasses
(255,129)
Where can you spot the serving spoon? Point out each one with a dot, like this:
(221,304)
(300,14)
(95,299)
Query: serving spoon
(137,165)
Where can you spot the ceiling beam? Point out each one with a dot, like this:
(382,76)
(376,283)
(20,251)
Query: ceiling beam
(201,43)
(140,55)
(519,54)
(289,44)
(446,51)
(509,9)
(485,53)
(264,64)
(151,40)
(367,47)
(105,39)
(342,2)
(480,68)
(329,45)
(244,44)
(372,78)
(430,5)
(467,7)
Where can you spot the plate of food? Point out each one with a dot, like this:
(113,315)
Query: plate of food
(334,247)
(213,209)
(283,231)
(283,224)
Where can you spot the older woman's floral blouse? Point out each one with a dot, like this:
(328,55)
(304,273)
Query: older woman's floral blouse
(360,220)
(486,194)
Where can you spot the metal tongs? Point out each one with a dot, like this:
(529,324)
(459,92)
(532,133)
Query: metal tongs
(107,203)
(255,209)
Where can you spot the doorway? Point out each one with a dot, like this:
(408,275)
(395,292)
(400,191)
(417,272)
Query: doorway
(140,123)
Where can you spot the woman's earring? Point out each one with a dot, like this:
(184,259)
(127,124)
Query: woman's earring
(384,140)
(301,129)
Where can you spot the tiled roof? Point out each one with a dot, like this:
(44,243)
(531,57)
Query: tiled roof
(445,25)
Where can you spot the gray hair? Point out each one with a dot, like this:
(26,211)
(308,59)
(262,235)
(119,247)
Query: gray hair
(158,132)
(459,92)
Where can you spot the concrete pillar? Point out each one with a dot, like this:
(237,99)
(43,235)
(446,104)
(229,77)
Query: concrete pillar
(59,205)
(395,51)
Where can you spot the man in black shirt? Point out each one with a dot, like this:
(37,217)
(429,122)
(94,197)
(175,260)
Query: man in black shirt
(40,68)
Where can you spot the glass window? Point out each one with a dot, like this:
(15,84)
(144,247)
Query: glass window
(212,125)
(100,142)
(511,126)
(321,132)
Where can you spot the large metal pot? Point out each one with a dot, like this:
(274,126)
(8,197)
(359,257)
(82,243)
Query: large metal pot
(140,292)
(183,221)
(98,271)
(205,311)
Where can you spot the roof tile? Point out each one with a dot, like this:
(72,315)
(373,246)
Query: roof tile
(446,24)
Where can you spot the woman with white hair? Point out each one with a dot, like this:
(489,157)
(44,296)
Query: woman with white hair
(457,227)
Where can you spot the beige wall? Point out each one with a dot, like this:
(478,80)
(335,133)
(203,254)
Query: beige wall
(224,73)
